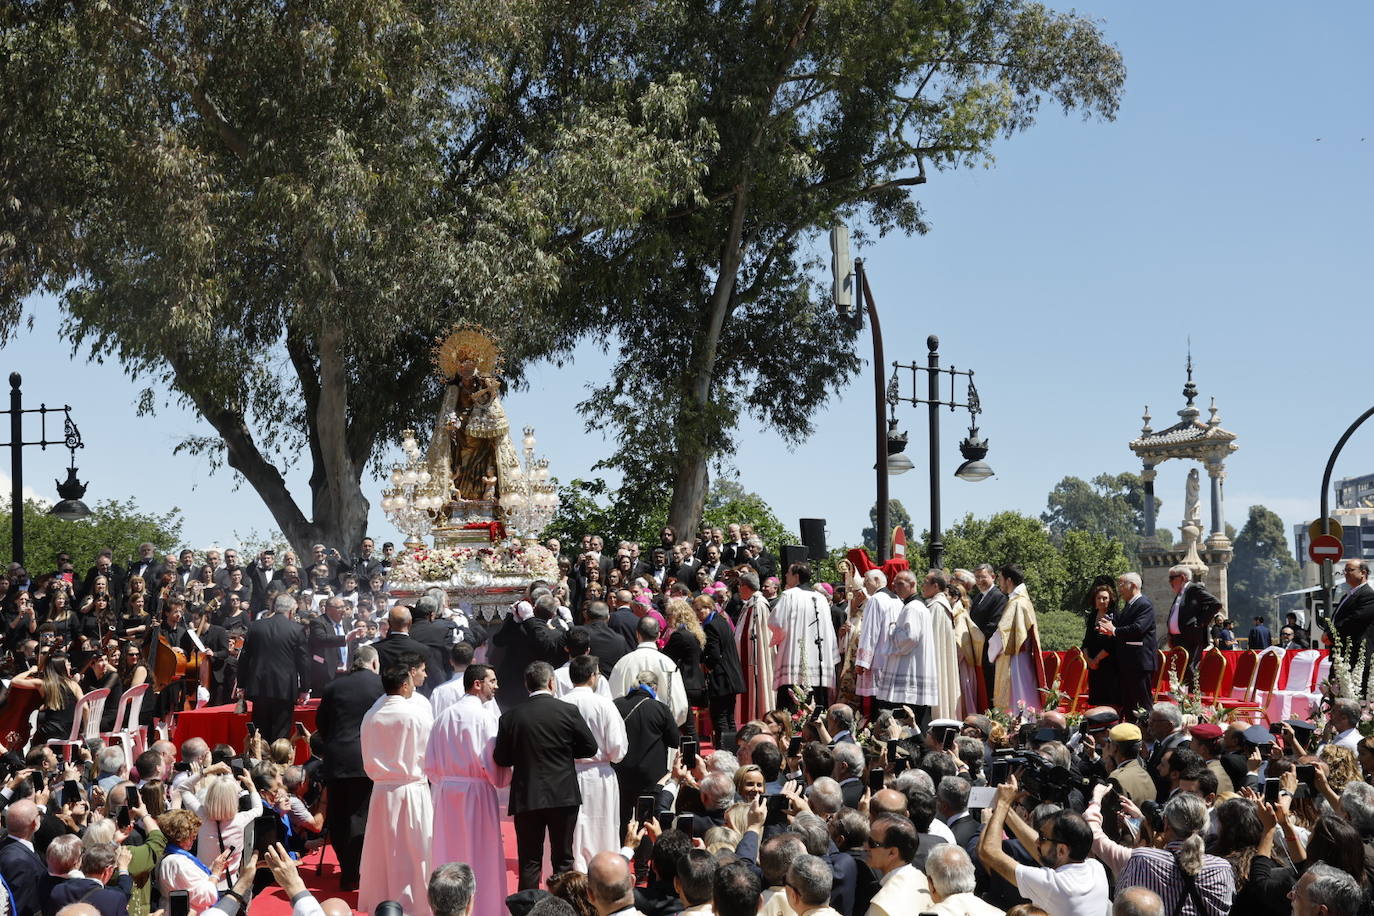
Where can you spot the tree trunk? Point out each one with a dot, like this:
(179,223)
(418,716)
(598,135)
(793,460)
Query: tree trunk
(690,479)
(340,508)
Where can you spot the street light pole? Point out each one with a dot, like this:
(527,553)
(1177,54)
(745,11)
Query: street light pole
(974,448)
(937,546)
(880,523)
(71,507)
(1328,573)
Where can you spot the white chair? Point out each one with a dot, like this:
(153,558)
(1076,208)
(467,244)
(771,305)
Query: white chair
(85,723)
(126,732)
(1296,697)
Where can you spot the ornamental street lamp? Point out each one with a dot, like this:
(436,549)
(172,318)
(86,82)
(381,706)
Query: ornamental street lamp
(71,508)
(974,447)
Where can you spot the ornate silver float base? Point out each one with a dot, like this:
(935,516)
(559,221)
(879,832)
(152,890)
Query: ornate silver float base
(488,601)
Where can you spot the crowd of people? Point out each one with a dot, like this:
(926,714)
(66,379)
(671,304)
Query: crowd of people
(697,731)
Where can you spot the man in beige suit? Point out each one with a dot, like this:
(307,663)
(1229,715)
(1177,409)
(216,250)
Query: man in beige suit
(892,845)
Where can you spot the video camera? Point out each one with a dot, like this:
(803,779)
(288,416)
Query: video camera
(1041,780)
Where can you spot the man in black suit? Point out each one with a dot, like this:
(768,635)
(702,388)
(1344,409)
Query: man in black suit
(732,554)
(366,564)
(1355,611)
(625,621)
(986,613)
(327,641)
(215,639)
(146,565)
(724,677)
(951,804)
(399,642)
(1132,630)
(231,563)
(543,631)
(107,567)
(686,564)
(99,863)
(20,866)
(343,703)
(650,729)
(540,740)
(258,574)
(764,563)
(186,569)
(607,644)
(273,668)
(1190,617)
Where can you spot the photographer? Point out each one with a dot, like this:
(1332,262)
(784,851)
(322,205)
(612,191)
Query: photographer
(1066,881)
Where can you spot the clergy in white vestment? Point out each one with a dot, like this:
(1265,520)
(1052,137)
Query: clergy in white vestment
(945,646)
(598,820)
(453,689)
(400,817)
(579,642)
(880,612)
(908,678)
(647,657)
(803,616)
(757,637)
(464,781)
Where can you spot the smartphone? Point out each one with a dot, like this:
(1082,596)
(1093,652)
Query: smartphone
(644,808)
(1272,788)
(777,804)
(71,792)
(729,741)
(998,772)
(684,823)
(265,832)
(901,715)
(689,754)
(1276,728)
(300,729)
(179,903)
(121,817)
(794,746)
(236,766)
(37,781)
(892,745)
(876,778)
(1307,774)
(252,730)
(948,742)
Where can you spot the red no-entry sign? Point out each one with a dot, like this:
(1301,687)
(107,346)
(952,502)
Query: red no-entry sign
(1325,547)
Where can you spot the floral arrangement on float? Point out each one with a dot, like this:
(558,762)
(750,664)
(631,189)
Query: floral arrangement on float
(475,565)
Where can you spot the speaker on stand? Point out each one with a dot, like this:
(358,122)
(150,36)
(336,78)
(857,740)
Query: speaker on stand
(813,536)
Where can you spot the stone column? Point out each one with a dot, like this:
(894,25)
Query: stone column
(1217,472)
(1148,476)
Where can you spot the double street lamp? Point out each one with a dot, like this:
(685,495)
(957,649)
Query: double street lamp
(974,447)
(71,508)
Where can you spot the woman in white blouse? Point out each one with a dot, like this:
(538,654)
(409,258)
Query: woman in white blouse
(223,824)
(180,869)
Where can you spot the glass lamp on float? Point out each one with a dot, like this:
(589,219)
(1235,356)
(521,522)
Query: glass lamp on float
(70,508)
(974,448)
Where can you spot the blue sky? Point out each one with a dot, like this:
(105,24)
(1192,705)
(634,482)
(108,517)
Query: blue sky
(1229,202)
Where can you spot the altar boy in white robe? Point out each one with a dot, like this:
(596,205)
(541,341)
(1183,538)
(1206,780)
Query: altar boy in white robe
(400,817)
(598,820)
(464,778)
(803,615)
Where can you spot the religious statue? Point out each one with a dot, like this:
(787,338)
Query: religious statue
(1192,506)
(471,445)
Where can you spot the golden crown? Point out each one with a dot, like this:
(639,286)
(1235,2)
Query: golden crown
(466,342)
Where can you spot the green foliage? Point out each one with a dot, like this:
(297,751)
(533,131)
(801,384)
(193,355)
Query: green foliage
(1112,505)
(715,311)
(1057,575)
(1059,630)
(586,507)
(268,212)
(896,515)
(1263,566)
(116,524)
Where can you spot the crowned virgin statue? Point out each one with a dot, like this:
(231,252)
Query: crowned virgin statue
(471,445)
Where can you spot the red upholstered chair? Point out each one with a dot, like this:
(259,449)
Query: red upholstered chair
(1211,674)
(1051,659)
(1176,663)
(1161,685)
(1073,680)
(1243,681)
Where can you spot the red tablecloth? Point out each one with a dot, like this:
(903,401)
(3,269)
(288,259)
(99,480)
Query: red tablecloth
(222,725)
(1232,656)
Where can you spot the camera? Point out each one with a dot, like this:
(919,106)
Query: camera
(1042,780)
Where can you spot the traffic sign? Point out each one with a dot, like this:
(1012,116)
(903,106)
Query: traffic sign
(1325,547)
(1314,530)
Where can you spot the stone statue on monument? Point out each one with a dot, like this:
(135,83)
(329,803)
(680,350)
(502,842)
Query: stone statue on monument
(1192,505)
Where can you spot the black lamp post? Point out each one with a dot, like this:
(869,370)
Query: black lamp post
(974,447)
(71,490)
(1328,578)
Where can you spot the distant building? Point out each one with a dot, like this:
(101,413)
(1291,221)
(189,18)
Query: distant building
(1354,509)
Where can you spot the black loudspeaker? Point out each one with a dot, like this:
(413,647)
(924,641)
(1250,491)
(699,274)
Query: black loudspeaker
(813,536)
(791,553)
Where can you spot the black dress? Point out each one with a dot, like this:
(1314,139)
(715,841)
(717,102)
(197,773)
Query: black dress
(56,723)
(1104,683)
(683,648)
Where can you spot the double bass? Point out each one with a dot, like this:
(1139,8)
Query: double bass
(171,664)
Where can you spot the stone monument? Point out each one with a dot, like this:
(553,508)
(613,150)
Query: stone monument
(1193,440)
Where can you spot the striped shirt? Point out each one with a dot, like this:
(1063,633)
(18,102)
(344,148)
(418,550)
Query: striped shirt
(1157,870)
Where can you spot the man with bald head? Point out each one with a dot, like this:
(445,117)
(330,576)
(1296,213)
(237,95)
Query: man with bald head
(20,866)
(399,642)
(274,668)
(610,886)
